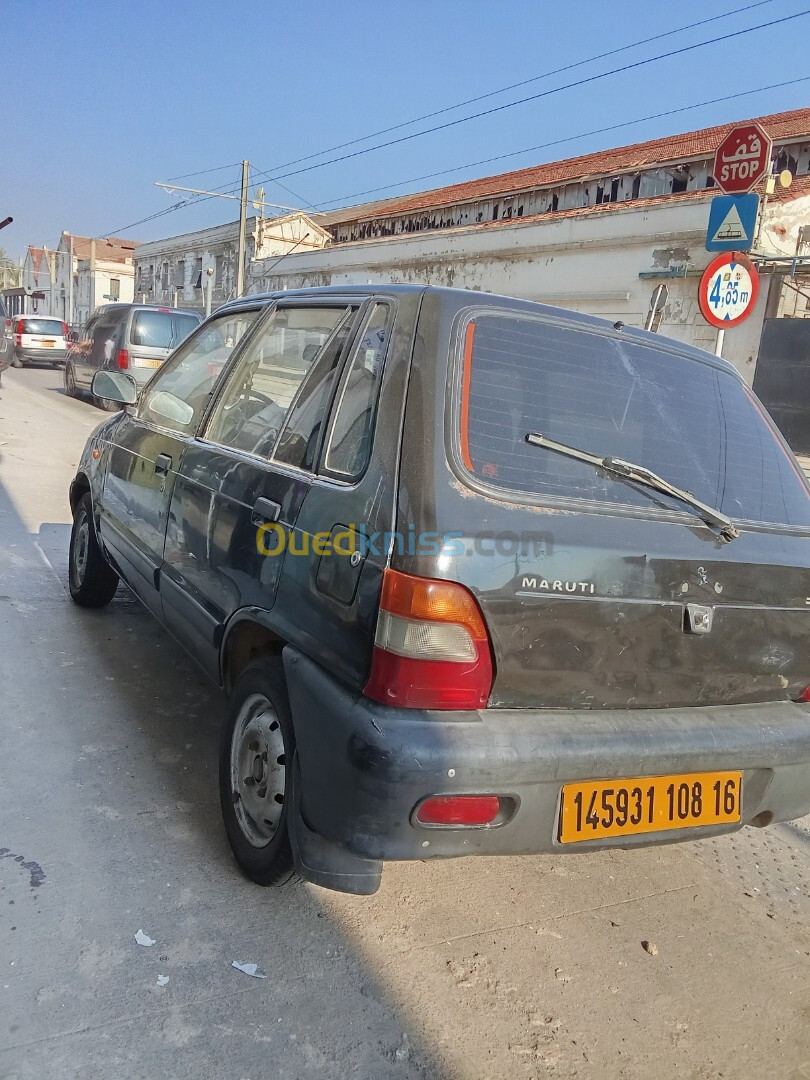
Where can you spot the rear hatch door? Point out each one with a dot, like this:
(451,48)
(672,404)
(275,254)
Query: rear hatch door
(153,334)
(599,592)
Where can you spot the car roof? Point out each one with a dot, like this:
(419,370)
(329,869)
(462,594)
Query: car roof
(459,298)
(147,307)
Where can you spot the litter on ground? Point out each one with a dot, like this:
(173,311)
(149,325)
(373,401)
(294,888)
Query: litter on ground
(249,969)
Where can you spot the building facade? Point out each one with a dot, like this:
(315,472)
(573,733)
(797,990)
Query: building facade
(597,234)
(89,272)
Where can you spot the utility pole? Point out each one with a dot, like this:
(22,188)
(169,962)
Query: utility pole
(92,283)
(243,201)
(70,286)
(240,269)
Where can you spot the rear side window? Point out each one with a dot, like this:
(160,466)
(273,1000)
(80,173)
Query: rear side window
(160,329)
(299,437)
(695,425)
(47,327)
(350,438)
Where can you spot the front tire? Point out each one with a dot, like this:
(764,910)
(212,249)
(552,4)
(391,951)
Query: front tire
(256,750)
(106,404)
(91,579)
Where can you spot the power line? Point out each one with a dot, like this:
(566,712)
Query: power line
(523,82)
(286,253)
(227,189)
(546,93)
(295,195)
(569,138)
(204,172)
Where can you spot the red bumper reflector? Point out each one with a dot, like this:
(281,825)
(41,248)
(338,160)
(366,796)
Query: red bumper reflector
(459,810)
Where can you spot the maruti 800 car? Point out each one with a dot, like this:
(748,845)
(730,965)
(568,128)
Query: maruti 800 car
(478,576)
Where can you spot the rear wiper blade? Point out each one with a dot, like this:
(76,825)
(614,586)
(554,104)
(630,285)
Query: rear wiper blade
(627,470)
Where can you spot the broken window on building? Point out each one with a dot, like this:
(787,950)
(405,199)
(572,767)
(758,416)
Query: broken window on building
(680,178)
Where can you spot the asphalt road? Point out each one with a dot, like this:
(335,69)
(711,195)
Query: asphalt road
(465,970)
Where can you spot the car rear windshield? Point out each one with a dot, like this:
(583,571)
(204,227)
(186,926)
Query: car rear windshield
(694,424)
(161,329)
(47,327)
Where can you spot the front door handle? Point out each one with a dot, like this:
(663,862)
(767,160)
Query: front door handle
(162,464)
(265,510)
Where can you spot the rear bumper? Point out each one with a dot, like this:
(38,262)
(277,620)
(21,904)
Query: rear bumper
(52,356)
(364,766)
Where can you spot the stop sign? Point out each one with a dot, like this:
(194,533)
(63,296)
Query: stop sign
(743,158)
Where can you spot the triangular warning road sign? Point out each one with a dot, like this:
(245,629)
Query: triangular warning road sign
(731,228)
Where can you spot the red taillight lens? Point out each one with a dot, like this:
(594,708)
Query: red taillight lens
(805,695)
(21,327)
(459,810)
(431,648)
(123,359)
(18,338)
(65,331)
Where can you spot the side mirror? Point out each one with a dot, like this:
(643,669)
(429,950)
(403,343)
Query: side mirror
(73,337)
(115,386)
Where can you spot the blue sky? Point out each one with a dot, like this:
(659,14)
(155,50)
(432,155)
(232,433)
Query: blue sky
(101,99)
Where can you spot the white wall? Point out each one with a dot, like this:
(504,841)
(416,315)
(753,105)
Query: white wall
(88,298)
(595,261)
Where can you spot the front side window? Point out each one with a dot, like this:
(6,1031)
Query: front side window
(178,394)
(352,426)
(689,421)
(255,403)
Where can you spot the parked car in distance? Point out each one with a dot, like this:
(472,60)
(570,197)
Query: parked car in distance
(135,338)
(5,336)
(38,339)
(479,576)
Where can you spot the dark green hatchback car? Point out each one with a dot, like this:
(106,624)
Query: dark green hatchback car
(479,577)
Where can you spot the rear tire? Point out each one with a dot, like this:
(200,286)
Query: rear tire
(256,751)
(91,579)
(70,381)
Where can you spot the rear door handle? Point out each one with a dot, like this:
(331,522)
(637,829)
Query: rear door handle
(266,510)
(162,464)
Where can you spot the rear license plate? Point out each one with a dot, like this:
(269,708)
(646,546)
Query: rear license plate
(137,362)
(48,344)
(600,808)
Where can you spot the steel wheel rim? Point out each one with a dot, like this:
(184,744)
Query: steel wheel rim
(81,547)
(258,770)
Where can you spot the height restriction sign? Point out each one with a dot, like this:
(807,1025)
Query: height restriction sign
(728,290)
